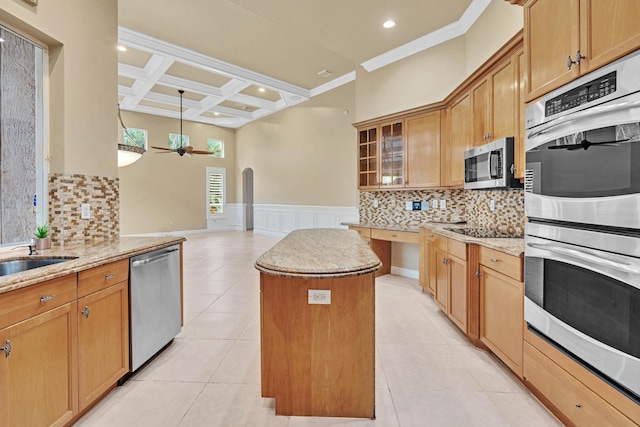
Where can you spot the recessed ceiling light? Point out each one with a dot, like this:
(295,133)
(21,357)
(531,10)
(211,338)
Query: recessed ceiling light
(389,24)
(122,48)
(261,89)
(325,73)
(216,114)
(1,40)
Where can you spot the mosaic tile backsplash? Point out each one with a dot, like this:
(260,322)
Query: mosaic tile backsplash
(473,206)
(67,192)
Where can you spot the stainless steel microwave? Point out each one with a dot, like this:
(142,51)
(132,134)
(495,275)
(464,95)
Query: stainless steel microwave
(490,166)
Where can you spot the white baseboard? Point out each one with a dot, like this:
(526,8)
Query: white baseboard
(280,220)
(405,272)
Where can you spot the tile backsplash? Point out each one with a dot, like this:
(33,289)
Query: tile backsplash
(473,206)
(67,192)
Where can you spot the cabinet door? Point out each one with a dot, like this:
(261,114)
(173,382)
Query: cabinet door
(480,103)
(460,138)
(458,292)
(368,158)
(441,275)
(519,137)
(503,99)
(502,316)
(103,341)
(38,382)
(551,33)
(423,150)
(392,165)
(608,30)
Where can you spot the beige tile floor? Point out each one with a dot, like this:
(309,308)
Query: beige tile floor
(427,373)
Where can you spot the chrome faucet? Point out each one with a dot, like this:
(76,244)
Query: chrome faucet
(31,246)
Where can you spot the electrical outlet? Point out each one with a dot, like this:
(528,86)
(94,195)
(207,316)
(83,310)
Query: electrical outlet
(434,203)
(408,206)
(319,296)
(393,203)
(492,205)
(443,204)
(424,205)
(85,211)
(375,203)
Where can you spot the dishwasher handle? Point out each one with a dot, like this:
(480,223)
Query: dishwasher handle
(163,255)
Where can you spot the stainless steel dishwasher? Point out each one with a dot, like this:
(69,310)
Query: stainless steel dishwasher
(154,293)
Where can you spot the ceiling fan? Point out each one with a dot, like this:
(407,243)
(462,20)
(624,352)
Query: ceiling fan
(183,149)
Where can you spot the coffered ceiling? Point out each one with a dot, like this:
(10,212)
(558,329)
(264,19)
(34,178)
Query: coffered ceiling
(240,60)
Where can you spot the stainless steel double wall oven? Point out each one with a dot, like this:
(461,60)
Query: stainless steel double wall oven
(582,200)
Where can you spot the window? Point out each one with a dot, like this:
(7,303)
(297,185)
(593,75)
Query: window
(216,146)
(216,180)
(136,137)
(24,167)
(175,143)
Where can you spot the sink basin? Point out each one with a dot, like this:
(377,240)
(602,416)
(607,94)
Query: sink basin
(18,265)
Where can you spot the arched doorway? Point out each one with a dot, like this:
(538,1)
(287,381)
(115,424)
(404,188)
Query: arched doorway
(247,197)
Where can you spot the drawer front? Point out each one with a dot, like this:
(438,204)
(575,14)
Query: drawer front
(429,235)
(395,236)
(365,233)
(508,265)
(457,249)
(440,242)
(95,279)
(575,400)
(21,304)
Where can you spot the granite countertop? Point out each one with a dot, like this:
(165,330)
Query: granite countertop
(510,246)
(319,253)
(83,257)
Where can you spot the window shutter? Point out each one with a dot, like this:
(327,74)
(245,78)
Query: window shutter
(216,193)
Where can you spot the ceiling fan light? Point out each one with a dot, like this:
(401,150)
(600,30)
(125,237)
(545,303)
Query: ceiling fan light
(128,154)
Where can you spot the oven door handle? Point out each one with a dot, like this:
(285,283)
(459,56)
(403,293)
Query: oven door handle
(590,112)
(588,255)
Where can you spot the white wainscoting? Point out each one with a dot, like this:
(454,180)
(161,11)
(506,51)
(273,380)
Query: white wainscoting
(279,220)
(232,220)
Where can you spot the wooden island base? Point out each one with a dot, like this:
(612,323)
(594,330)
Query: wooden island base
(319,359)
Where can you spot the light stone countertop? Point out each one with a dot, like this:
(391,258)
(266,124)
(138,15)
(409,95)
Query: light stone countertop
(319,253)
(510,246)
(84,256)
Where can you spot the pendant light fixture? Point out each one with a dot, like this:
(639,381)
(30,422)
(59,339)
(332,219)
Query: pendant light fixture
(128,153)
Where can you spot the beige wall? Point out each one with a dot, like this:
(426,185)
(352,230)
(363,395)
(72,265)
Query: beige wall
(166,192)
(81,36)
(305,155)
(431,75)
(420,79)
(499,22)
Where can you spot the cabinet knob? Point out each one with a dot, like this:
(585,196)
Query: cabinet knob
(47,298)
(445,261)
(109,276)
(577,60)
(85,312)
(6,349)
(493,259)
(578,405)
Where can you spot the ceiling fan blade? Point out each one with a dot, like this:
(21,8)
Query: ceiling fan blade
(162,148)
(610,142)
(166,152)
(565,147)
(200,152)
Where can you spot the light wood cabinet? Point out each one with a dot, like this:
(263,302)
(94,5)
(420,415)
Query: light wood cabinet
(426,273)
(480,98)
(38,362)
(423,150)
(458,292)
(460,139)
(103,341)
(392,160)
(519,137)
(368,158)
(591,33)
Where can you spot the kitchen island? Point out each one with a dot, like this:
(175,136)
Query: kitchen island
(317,317)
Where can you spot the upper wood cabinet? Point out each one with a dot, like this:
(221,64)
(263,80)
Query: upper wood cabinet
(460,138)
(519,137)
(392,164)
(591,33)
(423,150)
(368,158)
(480,99)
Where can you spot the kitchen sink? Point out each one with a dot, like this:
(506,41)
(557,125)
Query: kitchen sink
(18,265)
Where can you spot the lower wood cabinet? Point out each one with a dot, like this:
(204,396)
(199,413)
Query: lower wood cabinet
(103,341)
(38,369)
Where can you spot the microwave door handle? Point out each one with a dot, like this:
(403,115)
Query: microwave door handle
(590,112)
(589,256)
(493,164)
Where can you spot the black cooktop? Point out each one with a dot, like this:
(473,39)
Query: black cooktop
(487,233)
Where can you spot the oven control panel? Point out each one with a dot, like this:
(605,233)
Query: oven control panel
(582,94)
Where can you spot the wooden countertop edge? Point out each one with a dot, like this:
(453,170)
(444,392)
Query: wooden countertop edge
(76,264)
(320,275)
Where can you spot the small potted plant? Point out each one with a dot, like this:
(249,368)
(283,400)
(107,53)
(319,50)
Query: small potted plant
(43,240)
